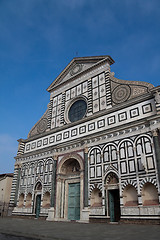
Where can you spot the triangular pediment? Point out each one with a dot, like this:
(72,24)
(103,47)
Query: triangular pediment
(77,66)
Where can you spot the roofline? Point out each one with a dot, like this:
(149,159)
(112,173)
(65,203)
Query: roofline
(6,175)
(101,58)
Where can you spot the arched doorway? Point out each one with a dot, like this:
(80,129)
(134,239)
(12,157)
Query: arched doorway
(38,193)
(112,196)
(69,196)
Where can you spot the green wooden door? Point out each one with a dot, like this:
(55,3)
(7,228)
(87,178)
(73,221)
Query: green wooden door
(74,201)
(38,205)
(111,206)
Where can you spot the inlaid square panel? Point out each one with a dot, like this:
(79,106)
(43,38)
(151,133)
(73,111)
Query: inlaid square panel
(53,123)
(79,89)
(74,132)
(33,145)
(95,93)
(55,101)
(101,78)
(134,113)
(59,110)
(52,139)
(45,141)
(96,106)
(111,120)
(59,137)
(122,116)
(102,90)
(58,120)
(85,86)
(91,126)
(102,103)
(54,112)
(82,129)
(66,135)
(95,82)
(147,108)
(73,92)
(59,99)
(39,143)
(101,123)
(67,95)
(27,147)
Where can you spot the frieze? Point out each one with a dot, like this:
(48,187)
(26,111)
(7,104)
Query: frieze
(115,119)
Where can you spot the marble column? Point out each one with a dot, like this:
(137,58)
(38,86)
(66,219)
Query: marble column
(156,140)
(51,212)
(53,183)
(86,177)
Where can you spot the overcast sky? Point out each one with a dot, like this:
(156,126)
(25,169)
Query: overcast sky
(38,38)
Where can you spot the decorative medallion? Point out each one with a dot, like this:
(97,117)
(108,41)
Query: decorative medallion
(121,93)
(76,69)
(42,125)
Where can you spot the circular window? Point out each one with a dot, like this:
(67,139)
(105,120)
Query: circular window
(77,110)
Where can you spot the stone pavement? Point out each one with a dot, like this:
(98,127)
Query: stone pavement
(41,229)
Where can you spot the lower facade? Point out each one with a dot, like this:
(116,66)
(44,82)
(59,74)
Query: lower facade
(103,182)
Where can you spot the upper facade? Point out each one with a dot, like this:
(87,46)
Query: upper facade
(85,99)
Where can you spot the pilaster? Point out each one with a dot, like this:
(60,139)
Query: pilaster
(156,140)
(86,177)
(15,185)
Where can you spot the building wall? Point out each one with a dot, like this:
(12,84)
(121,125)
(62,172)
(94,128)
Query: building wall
(112,151)
(5,191)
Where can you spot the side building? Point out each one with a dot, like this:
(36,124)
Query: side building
(95,153)
(5,192)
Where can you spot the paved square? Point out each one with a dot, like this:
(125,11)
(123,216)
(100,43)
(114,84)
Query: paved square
(41,229)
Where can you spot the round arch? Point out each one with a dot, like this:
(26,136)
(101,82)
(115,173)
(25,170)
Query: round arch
(68,157)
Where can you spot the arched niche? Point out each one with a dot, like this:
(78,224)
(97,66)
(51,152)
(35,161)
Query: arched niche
(28,200)
(70,166)
(38,186)
(149,195)
(130,197)
(21,200)
(112,179)
(96,198)
(70,159)
(46,200)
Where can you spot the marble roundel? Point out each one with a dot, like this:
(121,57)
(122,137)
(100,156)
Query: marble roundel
(76,69)
(42,125)
(121,93)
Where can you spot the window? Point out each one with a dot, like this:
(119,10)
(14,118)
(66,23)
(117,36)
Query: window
(77,110)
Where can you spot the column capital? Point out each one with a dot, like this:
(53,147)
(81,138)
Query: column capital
(55,157)
(17,165)
(155,132)
(86,150)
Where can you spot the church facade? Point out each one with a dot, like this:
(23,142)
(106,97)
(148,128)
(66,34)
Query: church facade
(95,153)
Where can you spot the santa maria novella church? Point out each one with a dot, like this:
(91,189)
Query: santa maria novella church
(95,153)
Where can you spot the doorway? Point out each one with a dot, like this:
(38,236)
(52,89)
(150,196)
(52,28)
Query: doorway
(38,205)
(114,205)
(37,194)
(74,201)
